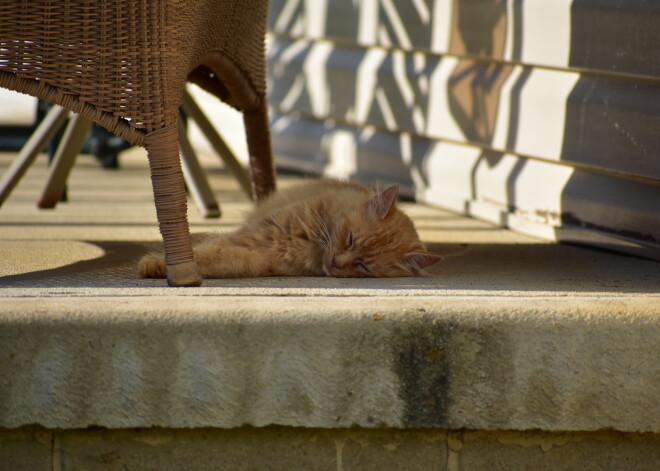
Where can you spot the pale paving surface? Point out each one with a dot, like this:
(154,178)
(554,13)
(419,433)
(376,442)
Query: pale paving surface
(110,219)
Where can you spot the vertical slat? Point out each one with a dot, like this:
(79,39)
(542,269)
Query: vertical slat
(70,145)
(195,178)
(51,123)
(194,112)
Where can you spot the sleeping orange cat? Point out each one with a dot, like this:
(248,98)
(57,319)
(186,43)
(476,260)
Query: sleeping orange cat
(320,227)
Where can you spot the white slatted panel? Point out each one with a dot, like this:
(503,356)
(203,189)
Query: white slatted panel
(513,111)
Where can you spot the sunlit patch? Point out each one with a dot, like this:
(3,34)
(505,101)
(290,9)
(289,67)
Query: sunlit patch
(19,257)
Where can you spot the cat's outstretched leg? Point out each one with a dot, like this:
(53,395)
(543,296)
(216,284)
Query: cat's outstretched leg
(216,258)
(221,258)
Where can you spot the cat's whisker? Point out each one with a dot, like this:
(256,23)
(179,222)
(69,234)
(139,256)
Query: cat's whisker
(322,225)
(325,233)
(318,238)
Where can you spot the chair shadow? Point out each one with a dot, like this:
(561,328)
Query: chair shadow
(480,268)
(115,268)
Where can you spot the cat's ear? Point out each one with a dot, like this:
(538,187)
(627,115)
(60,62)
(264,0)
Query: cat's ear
(418,261)
(382,203)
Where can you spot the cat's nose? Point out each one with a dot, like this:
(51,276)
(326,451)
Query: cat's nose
(334,263)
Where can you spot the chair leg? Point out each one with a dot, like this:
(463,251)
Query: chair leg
(44,132)
(70,146)
(257,129)
(171,206)
(194,112)
(195,178)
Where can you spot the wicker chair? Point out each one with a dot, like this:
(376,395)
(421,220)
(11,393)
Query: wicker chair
(124,64)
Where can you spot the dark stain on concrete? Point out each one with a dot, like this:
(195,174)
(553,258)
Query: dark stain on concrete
(422,364)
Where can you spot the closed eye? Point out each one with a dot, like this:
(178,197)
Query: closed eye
(364,269)
(350,241)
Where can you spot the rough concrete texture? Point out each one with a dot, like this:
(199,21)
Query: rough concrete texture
(508,333)
(290,449)
(187,361)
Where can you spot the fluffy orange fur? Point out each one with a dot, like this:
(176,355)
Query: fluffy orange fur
(321,227)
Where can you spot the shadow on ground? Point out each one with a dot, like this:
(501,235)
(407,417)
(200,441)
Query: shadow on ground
(467,267)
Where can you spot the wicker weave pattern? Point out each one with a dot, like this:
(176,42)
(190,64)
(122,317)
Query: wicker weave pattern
(124,63)
(80,51)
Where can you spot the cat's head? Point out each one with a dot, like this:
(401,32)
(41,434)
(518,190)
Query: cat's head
(375,239)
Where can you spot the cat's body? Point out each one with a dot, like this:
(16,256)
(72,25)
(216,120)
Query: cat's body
(321,227)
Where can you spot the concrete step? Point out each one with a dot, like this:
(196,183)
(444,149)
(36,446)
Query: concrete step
(198,359)
(514,354)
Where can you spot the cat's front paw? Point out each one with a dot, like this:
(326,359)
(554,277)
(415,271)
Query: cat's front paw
(151,266)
